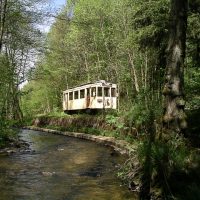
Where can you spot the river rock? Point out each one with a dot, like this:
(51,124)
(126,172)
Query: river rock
(10,151)
(48,173)
(60,149)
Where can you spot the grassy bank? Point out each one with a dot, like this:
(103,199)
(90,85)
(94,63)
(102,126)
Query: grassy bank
(108,125)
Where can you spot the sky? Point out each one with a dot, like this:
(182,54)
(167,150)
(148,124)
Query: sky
(58,3)
(55,6)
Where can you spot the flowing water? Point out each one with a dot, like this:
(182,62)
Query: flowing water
(61,168)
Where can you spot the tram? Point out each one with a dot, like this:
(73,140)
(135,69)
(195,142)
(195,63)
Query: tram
(91,97)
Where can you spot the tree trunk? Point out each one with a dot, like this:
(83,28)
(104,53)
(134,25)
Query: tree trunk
(174,119)
(87,66)
(3,8)
(134,72)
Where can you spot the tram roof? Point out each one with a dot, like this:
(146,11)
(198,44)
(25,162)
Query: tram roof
(100,82)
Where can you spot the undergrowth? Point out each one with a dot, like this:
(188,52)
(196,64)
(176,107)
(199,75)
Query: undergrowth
(6,132)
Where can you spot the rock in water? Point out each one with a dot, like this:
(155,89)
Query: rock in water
(48,173)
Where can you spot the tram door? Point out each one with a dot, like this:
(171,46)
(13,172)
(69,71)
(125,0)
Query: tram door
(88,98)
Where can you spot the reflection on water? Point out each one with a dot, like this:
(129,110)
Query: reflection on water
(61,168)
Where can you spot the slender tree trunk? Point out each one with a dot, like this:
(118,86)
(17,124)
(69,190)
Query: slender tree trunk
(87,66)
(174,118)
(3,6)
(134,72)
(146,70)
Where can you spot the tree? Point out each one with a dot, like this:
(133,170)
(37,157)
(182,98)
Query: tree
(174,116)
(18,43)
(3,11)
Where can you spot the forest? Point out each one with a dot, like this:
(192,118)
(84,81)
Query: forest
(150,49)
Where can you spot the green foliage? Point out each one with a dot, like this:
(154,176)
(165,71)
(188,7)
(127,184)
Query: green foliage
(150,22)
(129,172)
(160,159)
(114,121)
(140,113)
(192,87)
(176,151)
(111,133)
(19,42)
(101,41)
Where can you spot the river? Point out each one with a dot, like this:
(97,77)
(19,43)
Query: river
(61,168)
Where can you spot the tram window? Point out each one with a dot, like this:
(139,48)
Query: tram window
(76,94)
(82,94)
(71,96)
(113,92)
(93,92)
(106,92)
(100,92)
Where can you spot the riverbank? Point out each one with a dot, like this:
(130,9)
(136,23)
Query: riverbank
(14,145)
(121,146)
(108,130)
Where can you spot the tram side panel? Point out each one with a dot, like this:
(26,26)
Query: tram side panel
(90,98)
(90,103)
(103,103)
